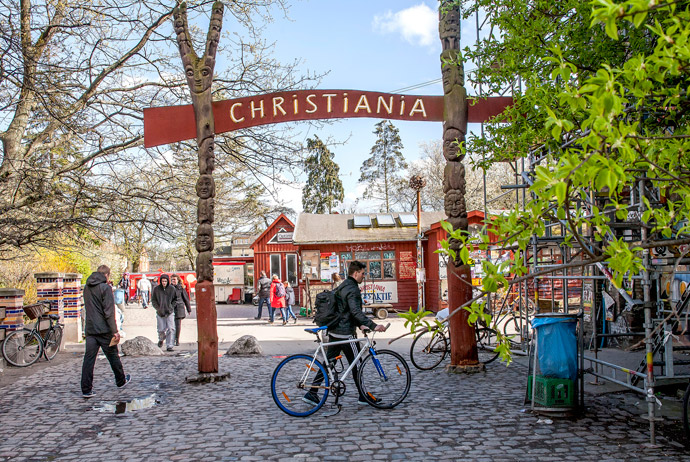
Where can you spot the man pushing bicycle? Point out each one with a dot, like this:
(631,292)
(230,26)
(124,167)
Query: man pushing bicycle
(350,316)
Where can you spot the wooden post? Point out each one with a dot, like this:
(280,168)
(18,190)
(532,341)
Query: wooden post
(463,355)
(199,73)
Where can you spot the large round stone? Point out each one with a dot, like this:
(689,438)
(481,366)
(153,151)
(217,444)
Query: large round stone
(140,346)
(247,345)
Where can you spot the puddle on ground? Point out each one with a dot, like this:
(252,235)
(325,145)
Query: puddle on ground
(122,407)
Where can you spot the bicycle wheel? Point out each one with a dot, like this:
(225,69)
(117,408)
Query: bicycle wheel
(291,382)
(22,348)
(512,325)
(428,349)
(486,343)
(51,346)
(384,378)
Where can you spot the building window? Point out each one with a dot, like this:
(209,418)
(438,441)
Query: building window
(380,265)
(275,266)
(291,260)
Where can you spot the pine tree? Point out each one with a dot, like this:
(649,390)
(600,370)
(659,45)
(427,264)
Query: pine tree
(380,171)
(324,190)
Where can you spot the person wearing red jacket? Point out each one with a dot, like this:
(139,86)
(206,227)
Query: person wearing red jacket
(277,297)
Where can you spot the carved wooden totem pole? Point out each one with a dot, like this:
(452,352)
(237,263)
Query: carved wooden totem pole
(463,355)
(199,72)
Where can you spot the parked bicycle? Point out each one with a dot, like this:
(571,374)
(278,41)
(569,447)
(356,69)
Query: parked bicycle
(24,347)
(384,376)
(430,347)
(513,313)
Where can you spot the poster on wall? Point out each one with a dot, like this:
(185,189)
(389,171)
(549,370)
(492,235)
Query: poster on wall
(408,265)
(380,291)
(228,275)
(310,264)
(329,265)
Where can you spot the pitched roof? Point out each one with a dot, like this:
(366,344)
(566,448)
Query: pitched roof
(336,228)
(282,215)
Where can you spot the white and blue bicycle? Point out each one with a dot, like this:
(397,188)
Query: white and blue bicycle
(384,377)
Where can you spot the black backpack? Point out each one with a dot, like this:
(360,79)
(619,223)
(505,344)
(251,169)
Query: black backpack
(327,310)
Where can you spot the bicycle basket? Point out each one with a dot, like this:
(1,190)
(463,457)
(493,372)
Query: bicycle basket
(35,310)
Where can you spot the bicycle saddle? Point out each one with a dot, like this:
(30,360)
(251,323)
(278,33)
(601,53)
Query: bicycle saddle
(315,330)
(54,317)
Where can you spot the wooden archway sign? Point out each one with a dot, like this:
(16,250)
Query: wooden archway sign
(204,118)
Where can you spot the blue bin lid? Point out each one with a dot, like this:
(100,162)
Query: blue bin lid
(544,319)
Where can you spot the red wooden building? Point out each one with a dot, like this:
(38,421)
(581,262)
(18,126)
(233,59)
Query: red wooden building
(275,253)
(318,245)
(385,242)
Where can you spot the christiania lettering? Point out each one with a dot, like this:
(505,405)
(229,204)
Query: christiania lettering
(383,106)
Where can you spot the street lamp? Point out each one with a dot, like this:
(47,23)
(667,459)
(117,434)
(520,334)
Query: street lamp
(417,182)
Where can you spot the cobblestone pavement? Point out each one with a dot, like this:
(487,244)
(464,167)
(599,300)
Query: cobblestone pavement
(445,417)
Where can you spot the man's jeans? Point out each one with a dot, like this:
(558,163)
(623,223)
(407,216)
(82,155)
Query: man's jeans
(145,297)
(261,303)
(166,329)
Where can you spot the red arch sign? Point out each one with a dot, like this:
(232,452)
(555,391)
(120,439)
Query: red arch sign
(169,124)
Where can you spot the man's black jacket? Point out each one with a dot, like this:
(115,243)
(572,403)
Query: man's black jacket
(100,305)
(349,299)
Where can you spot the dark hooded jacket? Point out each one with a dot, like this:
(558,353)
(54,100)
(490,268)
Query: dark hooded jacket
(349,299)
(163,298)
(99,305)
(181,301)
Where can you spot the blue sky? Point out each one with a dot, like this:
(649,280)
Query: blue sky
(381,45)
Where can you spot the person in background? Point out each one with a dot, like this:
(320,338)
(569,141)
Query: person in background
(264,286)
(101,330)
(119,294)
(336,280)
(289,301)
(181,304)
(277,295)
(163,300)
(124,284)
(144,286)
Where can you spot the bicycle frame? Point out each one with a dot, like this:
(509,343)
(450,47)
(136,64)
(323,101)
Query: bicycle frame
(367,348)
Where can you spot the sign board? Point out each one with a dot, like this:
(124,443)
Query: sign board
(228,275)
(380,291)
(169,124)
(408,266)
(281,237)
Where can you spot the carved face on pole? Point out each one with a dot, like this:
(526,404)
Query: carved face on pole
(204,267)
(205,187)
(207,157)
(454,203)
(452,75)
(199,81)
(451,148)
(205,211)
(204,238)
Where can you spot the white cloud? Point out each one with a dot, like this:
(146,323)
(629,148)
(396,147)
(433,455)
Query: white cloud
(418,24)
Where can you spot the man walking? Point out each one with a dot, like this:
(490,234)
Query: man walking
(163,300)
(144,286)
(101,330)
(349,302)
(264,285)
